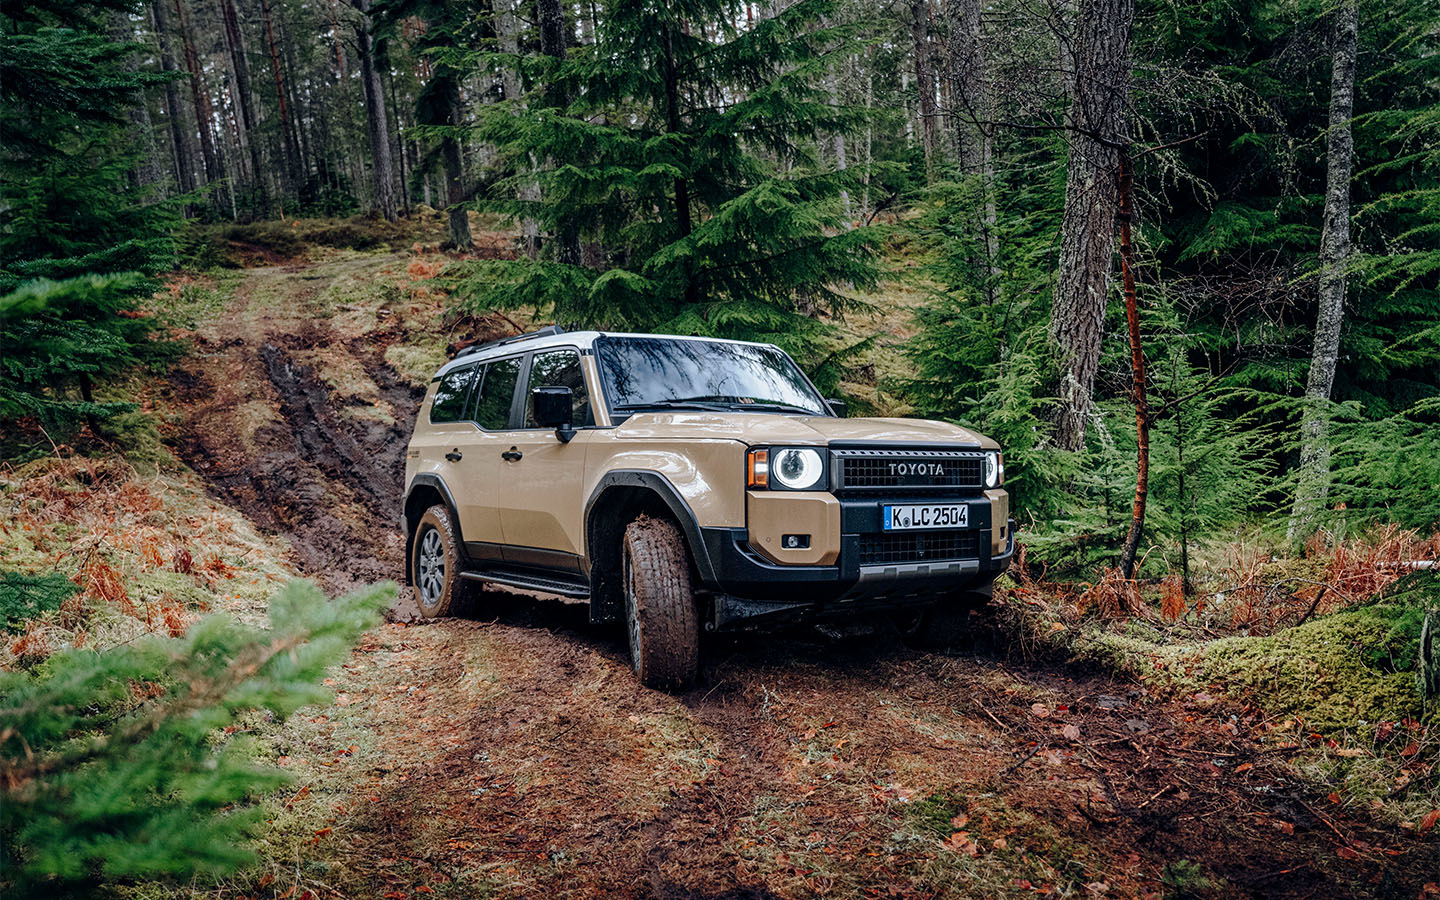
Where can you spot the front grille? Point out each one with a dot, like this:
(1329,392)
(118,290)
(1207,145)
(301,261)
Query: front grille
(870,469)
(918,546)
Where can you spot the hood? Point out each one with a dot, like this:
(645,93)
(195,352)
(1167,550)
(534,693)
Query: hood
(771,428)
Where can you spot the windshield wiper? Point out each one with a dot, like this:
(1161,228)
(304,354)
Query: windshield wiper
(674,404)
(775,407)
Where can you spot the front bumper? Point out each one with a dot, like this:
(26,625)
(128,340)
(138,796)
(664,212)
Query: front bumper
(750,588)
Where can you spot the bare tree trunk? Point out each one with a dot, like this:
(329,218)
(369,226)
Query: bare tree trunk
(924,81)
(973,119)
(204,113)
(399,137)
(147,164)
(180,135)
(553,42)
(683,222)
(838,142)
(291,151)
(454,157)
(378,121)
(299,120)
(508,28)
(244,99)
(1314,473)
(869,138)
(1087,228)
(1126,191)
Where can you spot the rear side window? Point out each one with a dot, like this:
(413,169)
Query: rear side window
(492,408)
(452,393)
(559,368)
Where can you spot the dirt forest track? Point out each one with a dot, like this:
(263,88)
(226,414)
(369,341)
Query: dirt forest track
(513,753)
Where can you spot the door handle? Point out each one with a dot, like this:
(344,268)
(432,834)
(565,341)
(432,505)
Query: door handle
(511,455)
(454,455)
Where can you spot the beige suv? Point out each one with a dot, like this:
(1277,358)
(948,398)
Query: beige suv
(681,484)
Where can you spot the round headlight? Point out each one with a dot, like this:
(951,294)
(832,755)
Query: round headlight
(993,472)
(797,468)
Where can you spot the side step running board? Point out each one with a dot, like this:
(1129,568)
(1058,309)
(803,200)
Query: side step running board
(530,582)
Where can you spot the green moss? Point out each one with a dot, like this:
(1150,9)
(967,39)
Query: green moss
(1333,673)
(415,363)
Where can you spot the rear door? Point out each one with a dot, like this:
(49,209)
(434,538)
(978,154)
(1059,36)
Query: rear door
(488,420)
(455,448)
(541,478)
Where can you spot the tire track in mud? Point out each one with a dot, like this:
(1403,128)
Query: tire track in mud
(548,765)
(265,432)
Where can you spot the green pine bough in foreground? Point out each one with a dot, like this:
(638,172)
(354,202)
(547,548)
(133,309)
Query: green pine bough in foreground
(114,765)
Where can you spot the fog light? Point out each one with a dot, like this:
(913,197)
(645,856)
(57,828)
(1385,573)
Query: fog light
(795,541)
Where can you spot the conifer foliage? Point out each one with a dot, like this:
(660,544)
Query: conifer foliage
(72,221)
(682,147)
(120,764)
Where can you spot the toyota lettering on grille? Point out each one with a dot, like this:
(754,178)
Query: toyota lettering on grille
(916,468)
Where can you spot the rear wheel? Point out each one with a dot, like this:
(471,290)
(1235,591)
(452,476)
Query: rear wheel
(660,613)
(435,567)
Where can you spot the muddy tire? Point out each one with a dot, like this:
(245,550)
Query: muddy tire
(435,567)
(660,612)
(944,625)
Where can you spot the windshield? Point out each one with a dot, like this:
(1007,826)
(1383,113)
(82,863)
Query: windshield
(664,373)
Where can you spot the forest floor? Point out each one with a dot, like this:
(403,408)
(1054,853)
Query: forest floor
(513,754)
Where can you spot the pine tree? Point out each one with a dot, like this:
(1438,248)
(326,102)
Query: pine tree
(119,764)
(685,148)
(70,219)
(448,25)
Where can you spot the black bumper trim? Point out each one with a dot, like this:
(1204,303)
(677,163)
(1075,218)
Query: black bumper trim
(752,586)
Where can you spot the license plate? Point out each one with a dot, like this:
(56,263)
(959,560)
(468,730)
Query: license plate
(929,515)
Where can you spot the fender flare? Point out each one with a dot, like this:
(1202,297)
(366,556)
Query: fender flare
(660,486)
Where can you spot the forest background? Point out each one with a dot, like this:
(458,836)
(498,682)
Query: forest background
(1181,258)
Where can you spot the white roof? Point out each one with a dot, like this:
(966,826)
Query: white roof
(581,339)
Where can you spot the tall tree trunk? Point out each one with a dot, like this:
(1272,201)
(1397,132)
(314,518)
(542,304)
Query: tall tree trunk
(147,164)
(245,102)
(299,120)
(454,158)
(1126,192)
(924,81)
(1314,473)
(378,121)
(683,222)
(973,120)
(838,142)
(291,151)
(507,26)
(204,113)
(398,131)
(553,42)
(174,109)
(1087,228)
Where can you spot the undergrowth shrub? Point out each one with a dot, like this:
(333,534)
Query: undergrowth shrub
(23,597)
(129,764)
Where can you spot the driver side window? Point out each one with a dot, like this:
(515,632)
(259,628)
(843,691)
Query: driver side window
(559,368)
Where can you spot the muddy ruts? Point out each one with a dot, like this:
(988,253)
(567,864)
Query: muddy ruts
(373,471)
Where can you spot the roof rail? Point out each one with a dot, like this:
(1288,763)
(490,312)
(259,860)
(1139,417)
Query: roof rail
(514,338)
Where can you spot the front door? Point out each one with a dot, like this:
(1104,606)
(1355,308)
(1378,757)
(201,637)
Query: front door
(541,477)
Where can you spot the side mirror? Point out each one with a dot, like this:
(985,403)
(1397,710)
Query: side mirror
(837,406)
(553,409)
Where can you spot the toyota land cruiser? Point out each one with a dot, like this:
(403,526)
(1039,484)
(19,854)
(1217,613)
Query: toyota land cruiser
(681,484)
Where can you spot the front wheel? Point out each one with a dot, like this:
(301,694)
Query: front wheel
(660,613)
